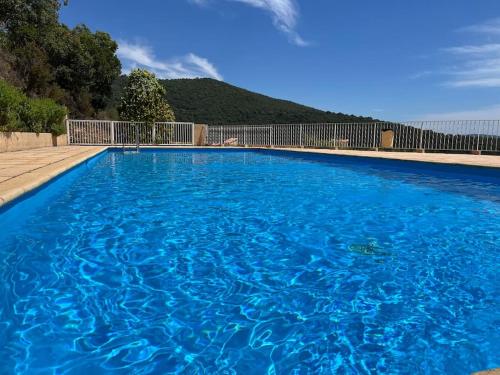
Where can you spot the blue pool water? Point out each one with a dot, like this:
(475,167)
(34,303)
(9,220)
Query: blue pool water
(235,262)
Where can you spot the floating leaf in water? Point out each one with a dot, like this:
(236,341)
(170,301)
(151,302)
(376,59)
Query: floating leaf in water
(370,248)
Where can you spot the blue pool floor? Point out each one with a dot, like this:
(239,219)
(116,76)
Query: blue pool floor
(244,262)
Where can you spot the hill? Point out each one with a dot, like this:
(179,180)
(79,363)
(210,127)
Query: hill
(205,100)
(209,101)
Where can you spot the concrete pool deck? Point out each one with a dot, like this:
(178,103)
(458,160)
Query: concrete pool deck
(22,171)
(488,372)
(491,161)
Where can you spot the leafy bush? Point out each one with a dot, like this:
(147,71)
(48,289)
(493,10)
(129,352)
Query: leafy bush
(20,113)
(10,101)
(58,128)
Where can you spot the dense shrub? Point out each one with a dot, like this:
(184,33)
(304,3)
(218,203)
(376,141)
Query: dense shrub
(20,113)
(11,100)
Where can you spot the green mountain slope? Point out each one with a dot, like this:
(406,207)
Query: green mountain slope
(209,101)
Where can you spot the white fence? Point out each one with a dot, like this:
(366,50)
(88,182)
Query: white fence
(96,132)
(460,136)
(465,136)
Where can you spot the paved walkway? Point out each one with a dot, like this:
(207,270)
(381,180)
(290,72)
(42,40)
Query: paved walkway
(492,161)
(22,171)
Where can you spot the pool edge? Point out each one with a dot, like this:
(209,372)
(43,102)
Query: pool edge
(42,177)
(466,160)
(479,161)
(30,181)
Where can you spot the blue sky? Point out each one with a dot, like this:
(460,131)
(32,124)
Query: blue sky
(391,59)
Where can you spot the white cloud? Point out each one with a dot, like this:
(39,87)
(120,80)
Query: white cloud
(484,113)
(188,66)
(490,27)
(199,2)
(475,50)
(471,65)
(421,74)
(285,14)
(476,65)
(480,82)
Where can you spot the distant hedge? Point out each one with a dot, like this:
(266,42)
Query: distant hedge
(22,114)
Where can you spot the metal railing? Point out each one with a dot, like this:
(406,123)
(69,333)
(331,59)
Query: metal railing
(459,136)
(462,136)
(97,132)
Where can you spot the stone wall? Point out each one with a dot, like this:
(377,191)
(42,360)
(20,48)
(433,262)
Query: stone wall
(15,141)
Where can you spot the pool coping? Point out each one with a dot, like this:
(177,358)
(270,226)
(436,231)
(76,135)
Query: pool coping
(482,161)
(17,186)
(495,371)
(25,182)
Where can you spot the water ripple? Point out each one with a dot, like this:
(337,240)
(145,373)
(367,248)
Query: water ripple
(250,263)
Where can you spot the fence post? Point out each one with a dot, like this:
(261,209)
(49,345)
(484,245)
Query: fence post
(153,134)
(271,136)
(66,120)
(112,132)
(375,136)
(300,138)
(137,137)
(335,141)
(192,135)
(421,142)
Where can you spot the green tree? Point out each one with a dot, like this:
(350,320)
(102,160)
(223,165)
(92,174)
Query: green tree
(18,16)
(143,99)
(75,67)
(106,67)
(33,66)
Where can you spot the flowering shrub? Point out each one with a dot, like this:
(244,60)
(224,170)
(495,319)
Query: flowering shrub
(143,99)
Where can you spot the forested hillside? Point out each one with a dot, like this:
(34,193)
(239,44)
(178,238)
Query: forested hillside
(209,101)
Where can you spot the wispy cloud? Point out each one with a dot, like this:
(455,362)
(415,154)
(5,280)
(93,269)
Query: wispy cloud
(421,74)
(199,2)
(489,27)
(472,65)
(474,50)
(478,66)
(284,13)
(136,55)
(483,113)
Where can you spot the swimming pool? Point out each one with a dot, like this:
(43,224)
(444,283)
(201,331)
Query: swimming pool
(252,262)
